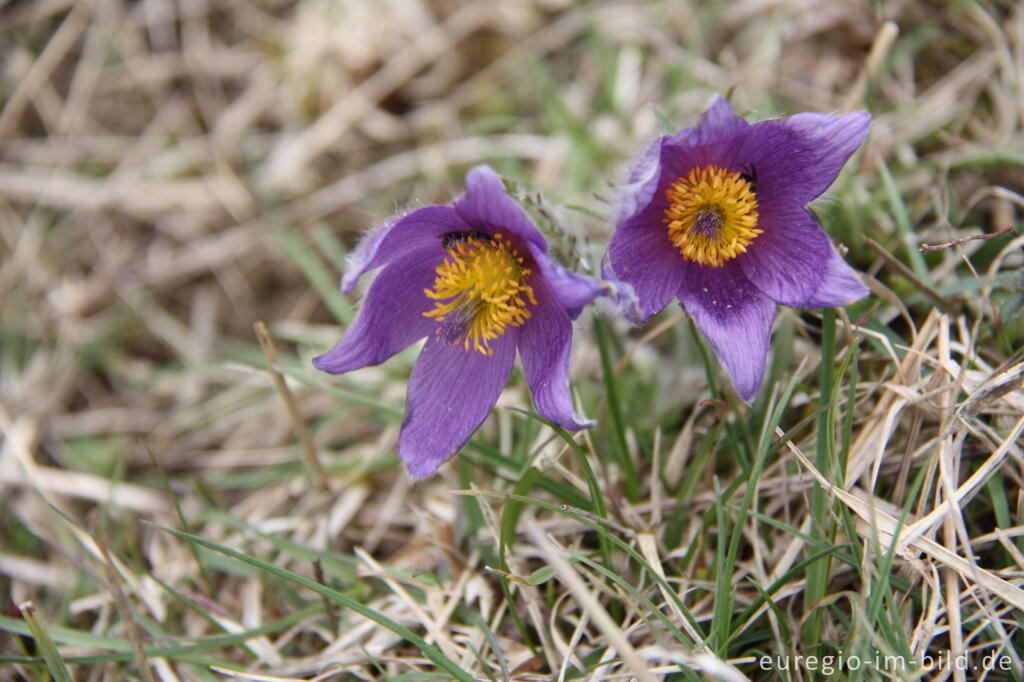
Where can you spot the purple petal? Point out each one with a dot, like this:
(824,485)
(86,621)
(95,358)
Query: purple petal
(787,261)
(678,160)
(638,191)
(797,158)
(486,206)
(717,140)
(839,286)
(718,122)
(451,392)
(642,255)
(735,317)
(622,295)
(572,291)
(833,140)
(420,230)
(390,318)
(544,346)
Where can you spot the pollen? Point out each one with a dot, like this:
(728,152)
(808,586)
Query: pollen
(712,215)
(480,291)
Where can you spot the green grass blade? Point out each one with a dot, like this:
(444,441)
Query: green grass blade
(332,248)
(618,426)
(902,216)
(765,594)
(638,596)
(684,495)
(818,573)
(723,603)
(429,650)
(120,649)
(296,249)
(597,498)
(599,526)
(47,649)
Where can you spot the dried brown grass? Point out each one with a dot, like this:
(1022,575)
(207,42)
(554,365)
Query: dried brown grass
(150,151)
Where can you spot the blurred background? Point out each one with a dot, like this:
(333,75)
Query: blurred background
(172,172)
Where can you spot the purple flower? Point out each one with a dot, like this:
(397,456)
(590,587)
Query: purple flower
(476,280)
(715,217)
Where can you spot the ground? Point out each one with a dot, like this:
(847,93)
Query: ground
(184,502)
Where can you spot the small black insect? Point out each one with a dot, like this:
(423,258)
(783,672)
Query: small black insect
(450,239)
(749,173)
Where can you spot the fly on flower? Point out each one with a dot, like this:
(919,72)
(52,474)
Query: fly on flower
(715,216)
(475,279)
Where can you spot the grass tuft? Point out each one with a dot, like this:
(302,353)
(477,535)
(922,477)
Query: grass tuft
(184,500)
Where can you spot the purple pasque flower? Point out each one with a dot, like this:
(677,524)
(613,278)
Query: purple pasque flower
(476,281)
(715,216)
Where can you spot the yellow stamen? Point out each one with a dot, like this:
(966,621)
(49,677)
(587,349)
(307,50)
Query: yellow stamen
(480,291)
(712,215)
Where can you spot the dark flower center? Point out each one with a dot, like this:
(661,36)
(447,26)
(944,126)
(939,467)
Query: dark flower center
(708,223)
(712,215)
(480,291)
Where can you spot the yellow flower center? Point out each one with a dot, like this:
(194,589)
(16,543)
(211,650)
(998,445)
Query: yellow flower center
(480,290)
(712,215)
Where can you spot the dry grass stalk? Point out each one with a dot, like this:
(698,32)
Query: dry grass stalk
(148,151)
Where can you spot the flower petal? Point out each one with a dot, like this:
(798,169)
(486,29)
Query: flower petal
(831,139)
(486,206)
(717,123)
(642,255)
(735,317)
(787,261)
(839,286)
(797,158)
(420,230)
(390,317)
(642,185)
(621,295)
(572,291)
(451,392)
(544,346)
